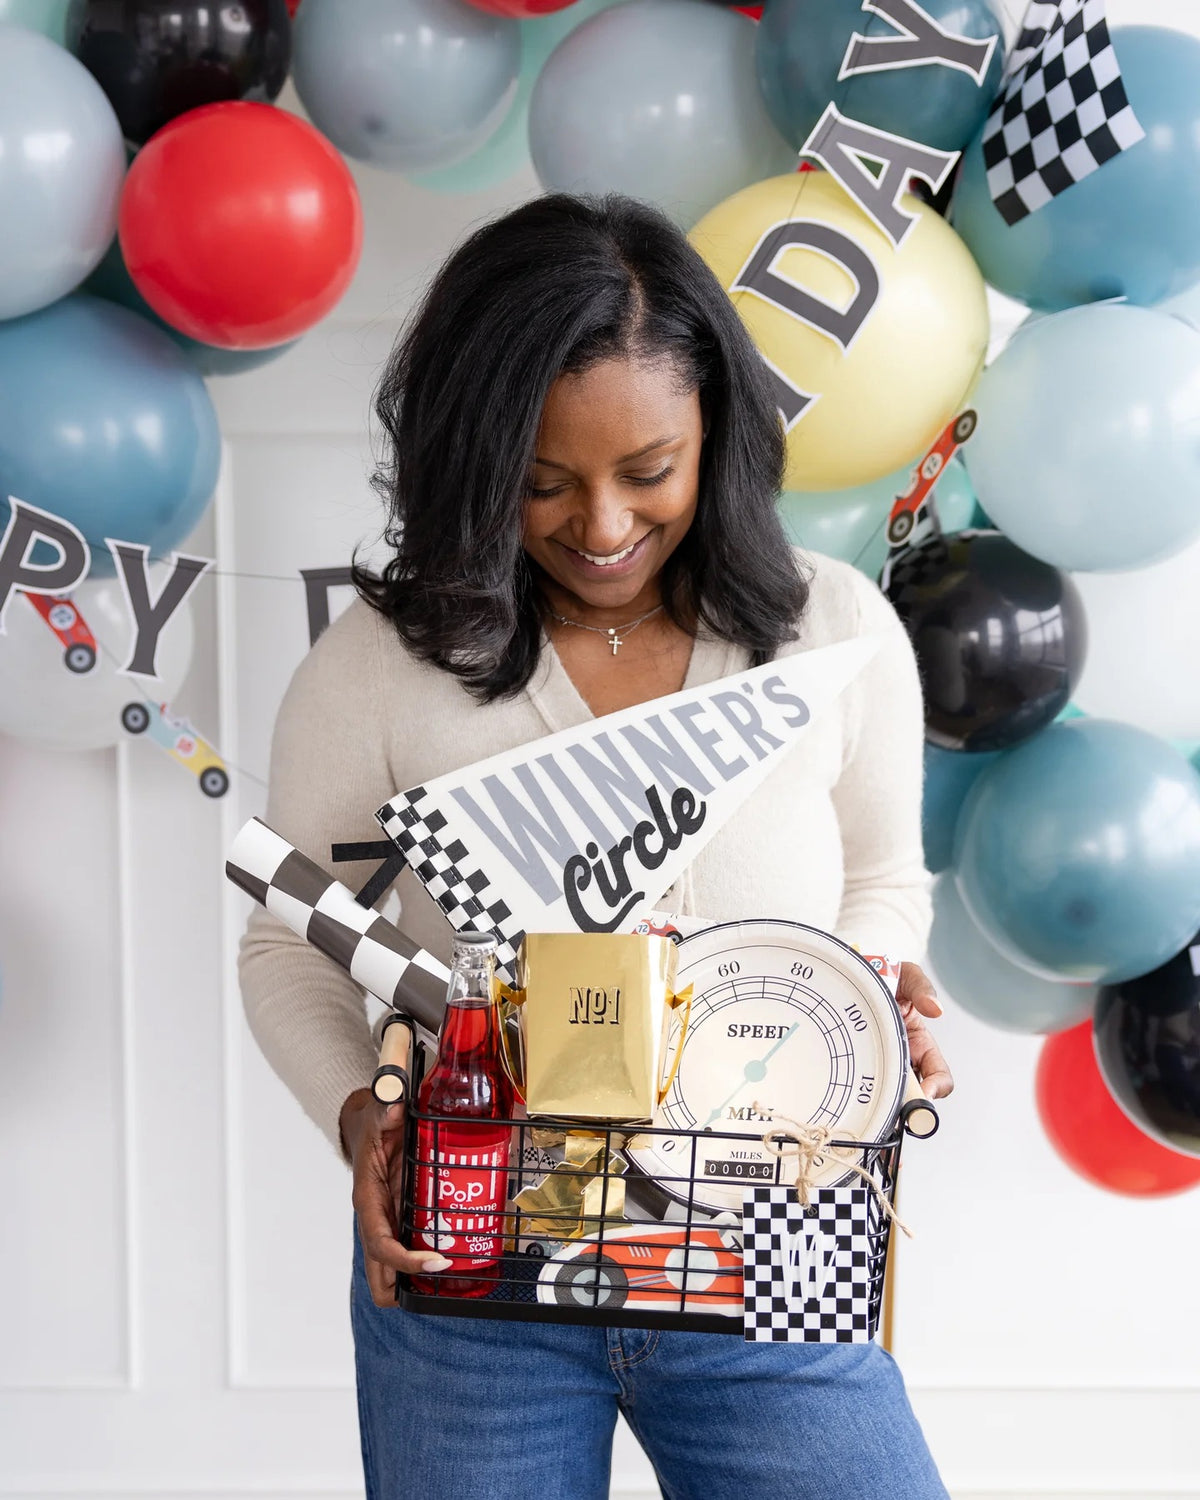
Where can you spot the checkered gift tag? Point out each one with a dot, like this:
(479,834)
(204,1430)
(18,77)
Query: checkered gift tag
(1063,111)
(464,892)
(807,1271)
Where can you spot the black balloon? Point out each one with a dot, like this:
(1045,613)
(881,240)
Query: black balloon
(1148,1045)
(1000,637)
(156,59)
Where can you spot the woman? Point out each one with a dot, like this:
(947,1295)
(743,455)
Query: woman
(581,441)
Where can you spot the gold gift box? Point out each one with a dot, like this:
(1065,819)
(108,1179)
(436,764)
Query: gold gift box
(596,1015)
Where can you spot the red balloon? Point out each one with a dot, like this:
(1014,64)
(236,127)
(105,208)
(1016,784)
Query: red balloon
(293,6)
(240,225)
(520,10)
(753,11)
(1090,1131)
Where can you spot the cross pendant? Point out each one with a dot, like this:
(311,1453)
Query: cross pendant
(614,640)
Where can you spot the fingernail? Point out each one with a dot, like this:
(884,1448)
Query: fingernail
(436,1263)
(937,1002)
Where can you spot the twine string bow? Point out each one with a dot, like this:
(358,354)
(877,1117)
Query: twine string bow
(811,1145)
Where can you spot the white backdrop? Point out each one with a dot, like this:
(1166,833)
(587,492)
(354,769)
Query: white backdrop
(173,1259)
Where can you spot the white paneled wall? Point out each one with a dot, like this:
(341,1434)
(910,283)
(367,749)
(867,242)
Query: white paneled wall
(174,1250)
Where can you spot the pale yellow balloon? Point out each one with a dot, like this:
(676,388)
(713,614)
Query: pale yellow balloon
(881,402)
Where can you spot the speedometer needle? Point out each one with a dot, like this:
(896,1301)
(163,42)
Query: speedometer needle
(754,1072)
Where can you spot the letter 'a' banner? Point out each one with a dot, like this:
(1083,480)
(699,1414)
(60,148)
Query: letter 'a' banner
(584,830)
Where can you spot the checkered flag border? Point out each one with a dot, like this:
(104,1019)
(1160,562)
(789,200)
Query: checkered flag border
(464,892)
(828,1250)
(323,912)
(1062,112)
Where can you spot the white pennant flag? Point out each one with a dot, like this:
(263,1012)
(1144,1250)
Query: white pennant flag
(584,830)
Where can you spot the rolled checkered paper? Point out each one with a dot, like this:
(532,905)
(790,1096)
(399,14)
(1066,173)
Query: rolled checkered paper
(323,912)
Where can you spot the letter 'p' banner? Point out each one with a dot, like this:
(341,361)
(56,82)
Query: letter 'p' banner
(584,830)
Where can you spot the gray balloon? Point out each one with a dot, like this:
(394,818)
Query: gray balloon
(405,84)
(657,99)
(988,985)
(62,163)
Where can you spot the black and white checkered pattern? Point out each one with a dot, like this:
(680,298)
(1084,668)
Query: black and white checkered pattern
(807,1272)
(321,910)
(1062,112)
(466,895)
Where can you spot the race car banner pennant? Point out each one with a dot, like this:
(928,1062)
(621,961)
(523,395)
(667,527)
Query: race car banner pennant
(584,830)
(807,1271)
(1062,112)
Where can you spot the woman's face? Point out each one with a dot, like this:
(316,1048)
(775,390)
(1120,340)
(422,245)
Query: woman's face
(614,484)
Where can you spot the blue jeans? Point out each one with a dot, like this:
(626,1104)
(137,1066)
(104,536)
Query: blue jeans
(485,1409)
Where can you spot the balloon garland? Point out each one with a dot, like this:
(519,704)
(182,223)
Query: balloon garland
(1068,846)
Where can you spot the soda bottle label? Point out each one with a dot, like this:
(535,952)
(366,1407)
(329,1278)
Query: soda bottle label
(458,1204)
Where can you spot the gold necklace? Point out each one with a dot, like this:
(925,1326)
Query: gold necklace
(616,633)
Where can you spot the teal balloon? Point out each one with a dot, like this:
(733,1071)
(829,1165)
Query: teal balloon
(1088,448)
(405,84)
(949,776)
(989,986)
(47,16)
(112,281)
(105,422)
(1130,229)
(507,152)
(850,524)
(800,47)
(657,99)
(1078,852)
(62,164)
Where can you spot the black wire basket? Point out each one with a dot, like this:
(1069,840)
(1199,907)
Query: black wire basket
(642,1253)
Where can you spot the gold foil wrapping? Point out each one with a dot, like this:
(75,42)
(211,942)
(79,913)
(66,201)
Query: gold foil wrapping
(596,1012)
(576,1195)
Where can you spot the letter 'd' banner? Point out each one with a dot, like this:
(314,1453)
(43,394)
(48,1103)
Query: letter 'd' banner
(584,830)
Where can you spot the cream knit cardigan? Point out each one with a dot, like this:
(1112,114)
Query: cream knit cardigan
(832,837)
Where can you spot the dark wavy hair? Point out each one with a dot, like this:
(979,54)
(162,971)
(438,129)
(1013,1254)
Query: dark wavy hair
(552,288)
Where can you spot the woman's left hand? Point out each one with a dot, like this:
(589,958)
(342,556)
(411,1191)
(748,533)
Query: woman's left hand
(917,999)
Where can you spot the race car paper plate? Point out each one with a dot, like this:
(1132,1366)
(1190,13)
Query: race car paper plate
(787,1022)
(666,1268)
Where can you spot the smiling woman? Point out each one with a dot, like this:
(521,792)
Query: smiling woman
(578,412)
(581,473)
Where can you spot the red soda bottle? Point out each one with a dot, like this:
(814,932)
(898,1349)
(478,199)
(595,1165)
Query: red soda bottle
(461,1178)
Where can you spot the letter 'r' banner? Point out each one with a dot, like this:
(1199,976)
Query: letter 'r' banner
(584,830)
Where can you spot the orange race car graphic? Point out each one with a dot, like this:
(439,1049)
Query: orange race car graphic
(71,629)
(913,506)
(648,1266)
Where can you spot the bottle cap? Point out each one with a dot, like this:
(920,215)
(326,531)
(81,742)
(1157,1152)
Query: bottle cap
(476,944)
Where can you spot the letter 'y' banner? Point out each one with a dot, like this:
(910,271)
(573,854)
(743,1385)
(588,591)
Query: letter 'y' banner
(585,830)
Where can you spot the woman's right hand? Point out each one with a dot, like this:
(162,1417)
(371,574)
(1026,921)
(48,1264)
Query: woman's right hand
(373,1134)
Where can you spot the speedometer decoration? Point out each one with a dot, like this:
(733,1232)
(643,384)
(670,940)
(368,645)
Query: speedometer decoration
(787,1021)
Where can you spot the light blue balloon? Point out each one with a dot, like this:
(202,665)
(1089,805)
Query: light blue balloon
(988,985)
(657,99)
(1088,448)
(800,47)
(62,163)
(850,523)
(1078,852)
(949,776)
(405,84)
(1130,229)
(105,422)
(507,152)
(47,16)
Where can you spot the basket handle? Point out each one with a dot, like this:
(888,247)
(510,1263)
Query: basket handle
(918,1114)
(392,1081)
(684,998)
